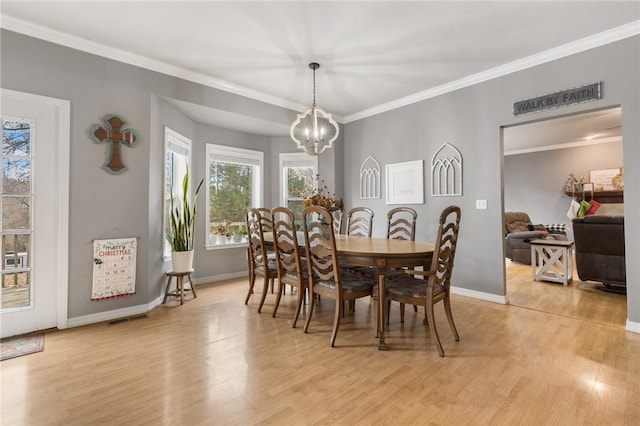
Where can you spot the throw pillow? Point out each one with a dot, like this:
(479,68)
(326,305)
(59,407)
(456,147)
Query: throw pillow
(537,228)
(594,207)
(584,207)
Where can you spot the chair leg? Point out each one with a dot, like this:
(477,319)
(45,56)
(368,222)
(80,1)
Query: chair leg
(432,327)
(388,309)
(299,302)
(181,289)
(166,290)
(265,287)
(280,291)
(336,321)
(447,309)
(312,303)
(402,313)
(193,288)
(252,281)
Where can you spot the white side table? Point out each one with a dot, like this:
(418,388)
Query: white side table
(552,260)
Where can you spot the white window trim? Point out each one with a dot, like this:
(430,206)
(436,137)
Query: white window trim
(296,159)
(175,142)
(216,152)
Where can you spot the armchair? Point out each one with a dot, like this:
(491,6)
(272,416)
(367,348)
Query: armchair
(519,231)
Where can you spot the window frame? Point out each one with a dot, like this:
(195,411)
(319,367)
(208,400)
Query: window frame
(241,156)
(180,145)
(291,160)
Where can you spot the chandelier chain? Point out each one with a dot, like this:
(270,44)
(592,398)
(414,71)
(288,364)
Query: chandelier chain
(314,86)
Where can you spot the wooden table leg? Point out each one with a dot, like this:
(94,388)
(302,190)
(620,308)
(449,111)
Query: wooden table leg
(382,291)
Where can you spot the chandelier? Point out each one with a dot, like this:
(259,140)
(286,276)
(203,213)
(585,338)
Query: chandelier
(314,131)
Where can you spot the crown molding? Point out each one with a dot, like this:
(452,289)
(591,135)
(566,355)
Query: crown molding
(615,34)
(88,46)
(23,27)
(577,144)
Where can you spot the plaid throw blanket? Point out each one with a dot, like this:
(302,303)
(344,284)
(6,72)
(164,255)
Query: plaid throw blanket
(557,228)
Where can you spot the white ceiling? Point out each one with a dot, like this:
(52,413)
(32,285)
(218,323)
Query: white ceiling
(374,56)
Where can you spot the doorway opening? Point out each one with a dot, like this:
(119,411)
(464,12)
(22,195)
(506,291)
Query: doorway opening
(539,157)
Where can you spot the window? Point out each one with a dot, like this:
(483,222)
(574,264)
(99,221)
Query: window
(234,178)
(297,179)
(177,157)
(16,204)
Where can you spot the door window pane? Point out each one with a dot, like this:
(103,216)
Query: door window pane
(16,176)
(16,251)
(16,138)
(16,212)
(16,290)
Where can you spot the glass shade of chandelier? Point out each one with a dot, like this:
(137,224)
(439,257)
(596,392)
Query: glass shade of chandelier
(314,130)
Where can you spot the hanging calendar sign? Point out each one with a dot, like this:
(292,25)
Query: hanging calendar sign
(114,268)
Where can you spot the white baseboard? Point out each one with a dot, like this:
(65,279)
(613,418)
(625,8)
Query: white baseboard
(142,309)
(221,277)
(633,327)
(503,300)
(114,314)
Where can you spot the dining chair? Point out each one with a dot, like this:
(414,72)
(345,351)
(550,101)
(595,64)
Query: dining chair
(290,268)
(401,225)
(266,222)
(337,220)
(259,263)
(436,285)
(360,222)
(326,278)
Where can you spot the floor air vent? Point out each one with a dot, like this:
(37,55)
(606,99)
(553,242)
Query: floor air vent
(126,319)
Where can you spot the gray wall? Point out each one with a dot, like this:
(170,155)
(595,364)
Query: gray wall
(129,204)
(471,119)
(533,182)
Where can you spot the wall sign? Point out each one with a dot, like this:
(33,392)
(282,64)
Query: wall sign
(577,95)
(114,268)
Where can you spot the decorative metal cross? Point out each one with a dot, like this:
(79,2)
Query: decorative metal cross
(113,131)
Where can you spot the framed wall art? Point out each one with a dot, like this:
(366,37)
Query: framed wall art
(603,179)
(405,182)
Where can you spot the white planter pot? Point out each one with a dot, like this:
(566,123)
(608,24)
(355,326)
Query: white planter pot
(182,261)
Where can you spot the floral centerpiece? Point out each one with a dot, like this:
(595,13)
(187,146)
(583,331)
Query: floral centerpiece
(321,197)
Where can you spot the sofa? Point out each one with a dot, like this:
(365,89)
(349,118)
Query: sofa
(600,251)
(519,231)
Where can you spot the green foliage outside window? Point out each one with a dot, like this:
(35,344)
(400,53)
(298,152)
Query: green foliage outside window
(230,195)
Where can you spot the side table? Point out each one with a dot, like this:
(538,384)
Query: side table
(552,260)
(179,291)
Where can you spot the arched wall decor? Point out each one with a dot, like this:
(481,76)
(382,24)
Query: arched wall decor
(446,172)
(370,179)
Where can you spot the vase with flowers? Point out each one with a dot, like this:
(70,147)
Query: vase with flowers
(320,196)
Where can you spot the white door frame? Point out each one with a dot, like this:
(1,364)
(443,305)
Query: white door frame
(62,139)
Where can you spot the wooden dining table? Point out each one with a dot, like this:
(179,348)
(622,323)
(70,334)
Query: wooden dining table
(382,253)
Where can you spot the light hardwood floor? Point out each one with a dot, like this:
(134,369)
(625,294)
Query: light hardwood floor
(216,361)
